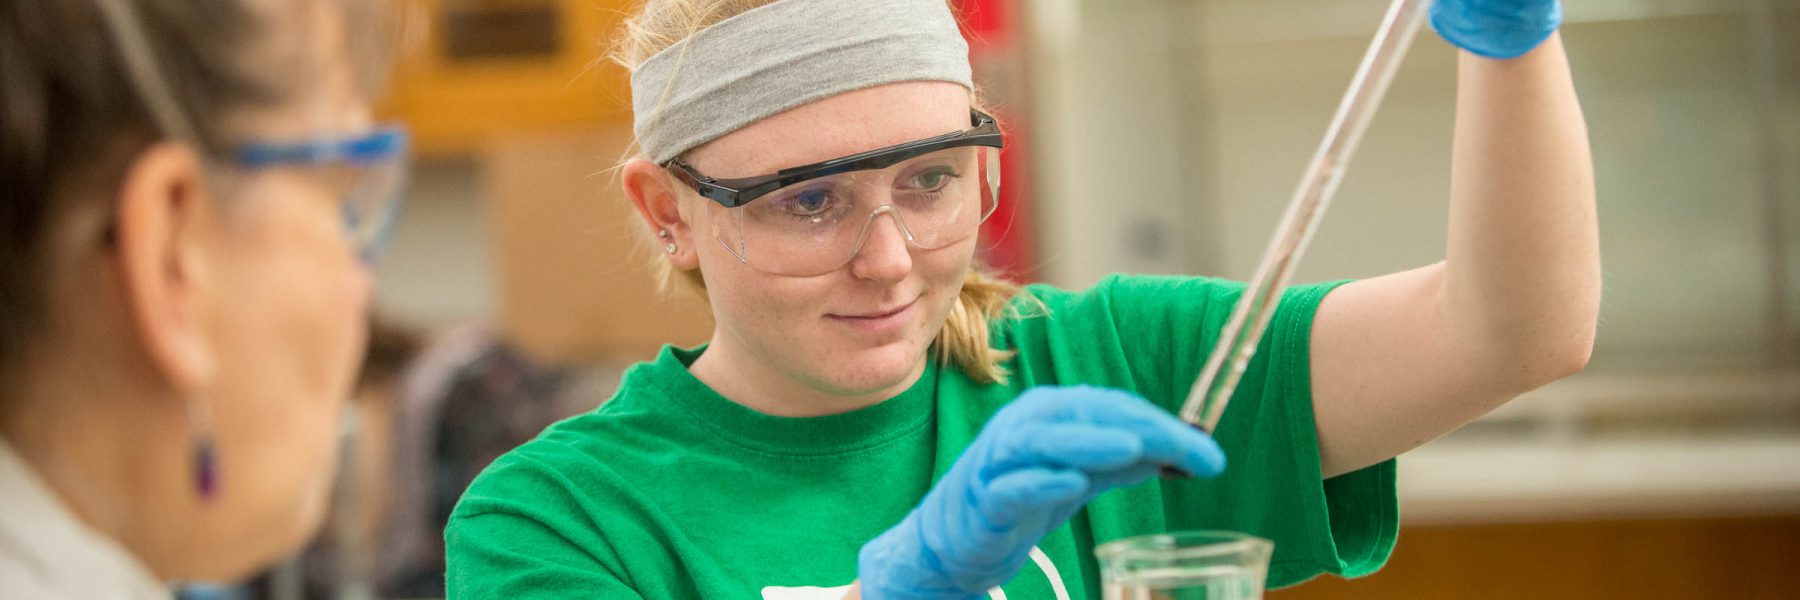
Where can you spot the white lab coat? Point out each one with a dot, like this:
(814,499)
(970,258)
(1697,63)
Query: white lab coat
(46,552)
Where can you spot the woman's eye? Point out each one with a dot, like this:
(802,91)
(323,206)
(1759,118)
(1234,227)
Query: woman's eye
(808,202)
(933,179)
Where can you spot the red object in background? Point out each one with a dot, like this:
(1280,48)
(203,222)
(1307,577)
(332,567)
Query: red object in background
(1008,238)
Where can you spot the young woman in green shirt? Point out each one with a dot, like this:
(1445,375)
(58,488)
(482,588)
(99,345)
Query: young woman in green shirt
(873,415)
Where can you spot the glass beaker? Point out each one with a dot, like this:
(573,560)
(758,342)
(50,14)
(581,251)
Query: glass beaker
(1192,565)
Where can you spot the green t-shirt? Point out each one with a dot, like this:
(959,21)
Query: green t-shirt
(669,490)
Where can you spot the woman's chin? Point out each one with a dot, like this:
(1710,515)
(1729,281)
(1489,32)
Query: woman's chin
(885,368)
(278,534)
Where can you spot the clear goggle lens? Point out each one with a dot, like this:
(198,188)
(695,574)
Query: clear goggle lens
(817,226)
(373,206)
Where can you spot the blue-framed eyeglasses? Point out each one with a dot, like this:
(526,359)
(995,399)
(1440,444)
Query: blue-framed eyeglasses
(371,167)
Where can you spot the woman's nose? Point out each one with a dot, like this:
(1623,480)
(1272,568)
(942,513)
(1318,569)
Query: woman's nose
(884,254)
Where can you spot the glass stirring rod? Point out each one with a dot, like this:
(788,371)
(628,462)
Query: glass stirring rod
(1237,341)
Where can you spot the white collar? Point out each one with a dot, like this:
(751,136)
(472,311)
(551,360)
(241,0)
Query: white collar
(46,552)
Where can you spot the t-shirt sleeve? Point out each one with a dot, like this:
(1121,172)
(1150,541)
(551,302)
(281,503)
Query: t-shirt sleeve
(1165,327)
(496,547)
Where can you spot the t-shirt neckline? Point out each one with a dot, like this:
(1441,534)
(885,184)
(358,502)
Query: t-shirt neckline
(842,433)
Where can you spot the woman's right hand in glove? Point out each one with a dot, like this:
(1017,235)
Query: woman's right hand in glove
(1035,463)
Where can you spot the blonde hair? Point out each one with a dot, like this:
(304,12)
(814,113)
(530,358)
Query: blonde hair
(964,340)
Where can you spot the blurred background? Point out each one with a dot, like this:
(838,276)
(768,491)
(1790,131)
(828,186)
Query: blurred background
(1157,136)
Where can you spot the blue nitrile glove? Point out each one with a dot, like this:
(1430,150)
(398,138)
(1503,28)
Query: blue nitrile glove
(1496,28)
(1035,463)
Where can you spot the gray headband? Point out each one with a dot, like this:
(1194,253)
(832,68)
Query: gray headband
(781,55)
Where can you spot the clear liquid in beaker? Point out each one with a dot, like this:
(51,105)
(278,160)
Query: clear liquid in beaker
(1205,583)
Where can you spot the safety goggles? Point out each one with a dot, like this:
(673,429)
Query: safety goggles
(366,171)
(813,219)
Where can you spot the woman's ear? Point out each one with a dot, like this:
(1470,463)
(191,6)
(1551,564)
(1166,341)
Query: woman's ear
(658,202)
(163,219)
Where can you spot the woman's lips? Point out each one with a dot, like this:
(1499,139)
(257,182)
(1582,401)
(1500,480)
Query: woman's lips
(882,322)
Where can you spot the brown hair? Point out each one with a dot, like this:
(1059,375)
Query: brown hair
(69,112)
(963,341)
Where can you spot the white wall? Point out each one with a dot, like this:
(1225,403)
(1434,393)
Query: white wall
(1200,114)
(438,269)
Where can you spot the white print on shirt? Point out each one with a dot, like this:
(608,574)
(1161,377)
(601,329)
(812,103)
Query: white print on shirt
(804,593)
(836,593)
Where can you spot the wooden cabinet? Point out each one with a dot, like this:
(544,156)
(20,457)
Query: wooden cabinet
(1740,558)
(575,280)
(483,67)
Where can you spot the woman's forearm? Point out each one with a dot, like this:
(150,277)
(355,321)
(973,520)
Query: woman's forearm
(1523,262)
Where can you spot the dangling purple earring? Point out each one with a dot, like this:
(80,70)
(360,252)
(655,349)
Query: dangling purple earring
(206,472)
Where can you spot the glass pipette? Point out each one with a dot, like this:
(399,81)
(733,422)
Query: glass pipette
(1237,341)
